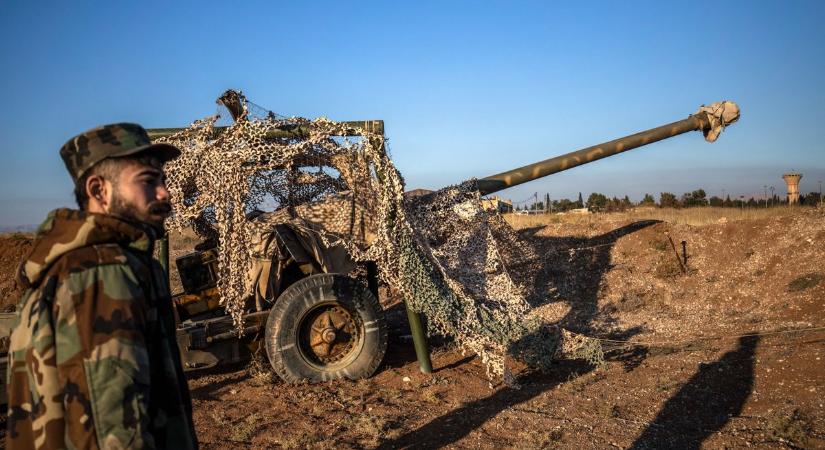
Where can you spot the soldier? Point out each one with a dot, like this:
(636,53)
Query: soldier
(93,361)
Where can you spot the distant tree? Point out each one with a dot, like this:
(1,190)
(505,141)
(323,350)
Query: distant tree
(716,201)
(727,203)
(695,198)
(612,204)
(752,202)
(668,200)
(564,205)
(812,199)
(596,202)
(648,200)
(616,204)
(580,202)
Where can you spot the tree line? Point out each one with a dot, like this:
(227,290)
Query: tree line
(598,202)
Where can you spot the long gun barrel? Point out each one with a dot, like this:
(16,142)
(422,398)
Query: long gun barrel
(709,120)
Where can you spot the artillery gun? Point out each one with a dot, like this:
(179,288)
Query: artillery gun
(317,323)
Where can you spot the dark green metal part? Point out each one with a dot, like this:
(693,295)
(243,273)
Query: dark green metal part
(419,340)
(285,131)
(550,166)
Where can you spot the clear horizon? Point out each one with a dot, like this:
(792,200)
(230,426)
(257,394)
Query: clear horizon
(465,89)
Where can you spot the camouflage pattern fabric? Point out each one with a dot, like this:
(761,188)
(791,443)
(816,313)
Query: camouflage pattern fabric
(339,187)
(93,361)
(86,149)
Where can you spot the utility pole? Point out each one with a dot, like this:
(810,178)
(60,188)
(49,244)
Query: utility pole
(766,195)
(772,195)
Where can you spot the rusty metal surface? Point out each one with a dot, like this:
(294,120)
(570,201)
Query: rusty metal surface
(328,333)
(550,166)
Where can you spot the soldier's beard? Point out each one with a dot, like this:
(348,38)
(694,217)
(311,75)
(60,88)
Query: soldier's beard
(153,215)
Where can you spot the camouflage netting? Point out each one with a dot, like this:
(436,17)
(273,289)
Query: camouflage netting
(439,251)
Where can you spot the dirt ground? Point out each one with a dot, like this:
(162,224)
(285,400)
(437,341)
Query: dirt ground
(704,376)
(13,248)
(709,356)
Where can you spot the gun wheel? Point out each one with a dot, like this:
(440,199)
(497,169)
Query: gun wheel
(326,327)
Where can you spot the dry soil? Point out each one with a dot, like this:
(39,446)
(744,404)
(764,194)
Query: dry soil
(725,352)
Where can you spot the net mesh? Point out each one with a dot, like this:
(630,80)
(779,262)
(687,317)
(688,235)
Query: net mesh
(442,252)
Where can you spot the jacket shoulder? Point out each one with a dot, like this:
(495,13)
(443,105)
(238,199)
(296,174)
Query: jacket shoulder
(85,258)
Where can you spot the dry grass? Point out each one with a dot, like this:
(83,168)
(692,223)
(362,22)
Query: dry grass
(19,235)
(793,428)
(682,216)
(245,429)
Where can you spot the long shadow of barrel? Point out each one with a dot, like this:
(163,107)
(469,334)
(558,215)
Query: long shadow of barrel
(449,428)
(717,392)
(573,270)
(586,268)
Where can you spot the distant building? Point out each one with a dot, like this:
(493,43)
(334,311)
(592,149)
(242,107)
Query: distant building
(792,180)
(497,204)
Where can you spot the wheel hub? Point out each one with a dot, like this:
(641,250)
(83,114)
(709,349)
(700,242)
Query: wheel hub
(331,334)
(328,335)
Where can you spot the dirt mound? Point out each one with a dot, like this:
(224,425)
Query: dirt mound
(611,277)
(13,248)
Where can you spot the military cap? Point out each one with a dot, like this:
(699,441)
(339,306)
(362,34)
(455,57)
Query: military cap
(85,150)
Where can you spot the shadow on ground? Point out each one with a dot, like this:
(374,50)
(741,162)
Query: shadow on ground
(717,392)
(456,424)
(209,391)
(571,271)
(560,275)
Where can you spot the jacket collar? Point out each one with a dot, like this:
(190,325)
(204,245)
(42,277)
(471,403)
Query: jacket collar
(65,230)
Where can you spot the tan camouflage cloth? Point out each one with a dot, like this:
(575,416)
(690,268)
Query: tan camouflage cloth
(93,361)
(440,252)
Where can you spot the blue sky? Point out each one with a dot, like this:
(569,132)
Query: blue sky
(466,88)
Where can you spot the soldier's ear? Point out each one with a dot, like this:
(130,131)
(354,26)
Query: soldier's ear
(96,190)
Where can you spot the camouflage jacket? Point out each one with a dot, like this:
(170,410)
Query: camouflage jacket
(93,361)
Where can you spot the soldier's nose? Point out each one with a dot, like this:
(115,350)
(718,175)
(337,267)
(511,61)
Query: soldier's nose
(162,193)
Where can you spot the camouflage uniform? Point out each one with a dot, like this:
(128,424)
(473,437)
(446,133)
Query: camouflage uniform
(93,361)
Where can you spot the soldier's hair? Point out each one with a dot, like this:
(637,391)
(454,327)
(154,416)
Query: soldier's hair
(109,169)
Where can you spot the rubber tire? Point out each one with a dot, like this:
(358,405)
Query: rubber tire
(281,336)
